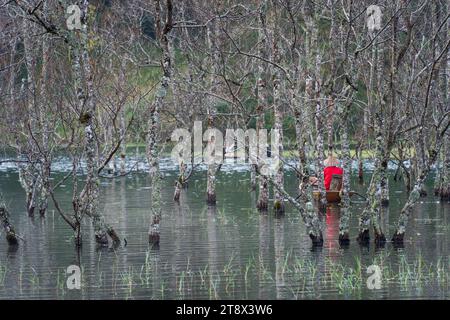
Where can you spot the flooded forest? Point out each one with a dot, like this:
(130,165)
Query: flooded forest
(195,149)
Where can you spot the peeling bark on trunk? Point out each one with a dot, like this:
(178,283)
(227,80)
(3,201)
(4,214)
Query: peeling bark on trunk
(414,196)
(278,204)
(27,172)
(253,170)
(384,185)
(308,214)
(181,182)
(87,202)
(315,94)
(263,197)
(122,125)
(344,237)
(360,163)
(211,108)
(371,212)
(444,188)
(91,189)
(22,148)
(320,155)
(154,122)
(300,133)
(45,166)
(330,122)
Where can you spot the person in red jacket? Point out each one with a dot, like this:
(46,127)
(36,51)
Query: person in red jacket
(332,166)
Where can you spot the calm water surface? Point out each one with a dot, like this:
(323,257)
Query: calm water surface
(227,252)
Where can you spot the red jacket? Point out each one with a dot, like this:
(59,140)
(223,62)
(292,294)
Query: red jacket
(328,175)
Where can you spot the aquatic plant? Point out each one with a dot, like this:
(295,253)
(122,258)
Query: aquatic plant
(3,271)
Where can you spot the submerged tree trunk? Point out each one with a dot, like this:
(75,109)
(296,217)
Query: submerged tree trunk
(45,166)
(91,189)
(371,211)
(308,214)
(384,184)
(320,153)
(87,202)
(212,43)
(154,121)
(278,203)
(122,124)
(414,196)
(28,174)
(11,236)
(263,197)
(300,134)
(344,237)
(181,182)
(444,188)
(315,93)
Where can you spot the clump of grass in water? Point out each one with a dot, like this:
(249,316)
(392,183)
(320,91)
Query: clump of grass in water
(442,275)
(264,271)
(34,279)
(162,289)
(415,274)
(213,286)
(229,273)
(203,275)
(146,271)
(3,271)
(346,279)
(248,266)
(223,218)
(180,283)
(61,281)
(128,279)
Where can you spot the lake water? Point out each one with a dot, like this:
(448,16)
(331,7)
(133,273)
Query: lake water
(227,252)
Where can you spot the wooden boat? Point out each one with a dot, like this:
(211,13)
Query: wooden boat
(332,196)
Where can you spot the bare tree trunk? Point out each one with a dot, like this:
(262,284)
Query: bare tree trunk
(45,167)
(11,236)
(278,204)
(300,134)
(181,182)
(313,87)
(253,183)
(330,120)
(320,154)
(371,211)
(27,172)
(263,197)
(444,188)
(414,196)
(212,43)
(122,124)
(344,237)
(91,189)
(308,214)
(154,121)
(88,200)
